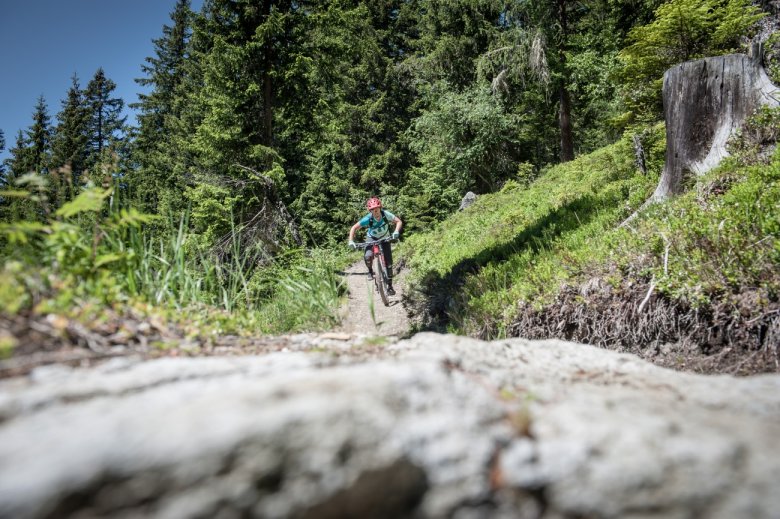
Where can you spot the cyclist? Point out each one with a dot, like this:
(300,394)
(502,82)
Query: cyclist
(378,223)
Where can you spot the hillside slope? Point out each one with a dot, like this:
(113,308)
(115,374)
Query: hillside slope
(691,284)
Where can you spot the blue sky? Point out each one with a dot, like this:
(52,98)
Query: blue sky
(44,42)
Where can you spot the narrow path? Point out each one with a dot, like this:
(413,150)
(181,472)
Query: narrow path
(365,313)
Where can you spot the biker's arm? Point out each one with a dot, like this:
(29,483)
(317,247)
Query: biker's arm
(353,230)
(398,224)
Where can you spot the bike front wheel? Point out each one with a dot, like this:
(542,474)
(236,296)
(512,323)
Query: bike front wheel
(380,279)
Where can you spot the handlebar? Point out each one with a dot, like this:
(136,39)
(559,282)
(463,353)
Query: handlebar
(369,244)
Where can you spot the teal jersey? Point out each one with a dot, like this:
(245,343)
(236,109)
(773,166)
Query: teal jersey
(378,229)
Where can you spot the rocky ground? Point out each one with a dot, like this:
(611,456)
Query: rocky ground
(365,422)
(433,426)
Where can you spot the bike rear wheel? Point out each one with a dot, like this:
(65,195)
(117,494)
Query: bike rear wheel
(380,279)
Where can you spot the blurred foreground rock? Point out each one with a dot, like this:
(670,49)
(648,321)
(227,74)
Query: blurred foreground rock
(435,426)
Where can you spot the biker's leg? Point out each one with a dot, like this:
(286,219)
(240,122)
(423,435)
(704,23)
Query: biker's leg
(388,253)
(369,258)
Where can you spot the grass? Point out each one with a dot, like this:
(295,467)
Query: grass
(717,241)
(93,254)
(523,245)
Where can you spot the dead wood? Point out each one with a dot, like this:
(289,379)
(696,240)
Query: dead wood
(705,102)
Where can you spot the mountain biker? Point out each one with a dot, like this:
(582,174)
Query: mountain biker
(378,223)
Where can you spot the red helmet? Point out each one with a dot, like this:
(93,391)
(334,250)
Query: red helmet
(373,202)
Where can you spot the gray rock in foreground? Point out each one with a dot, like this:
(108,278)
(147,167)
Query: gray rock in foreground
(439,426)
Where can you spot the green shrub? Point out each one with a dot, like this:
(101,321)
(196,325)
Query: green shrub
(92,249)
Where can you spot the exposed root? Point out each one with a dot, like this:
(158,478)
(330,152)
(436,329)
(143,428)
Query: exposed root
(722,337)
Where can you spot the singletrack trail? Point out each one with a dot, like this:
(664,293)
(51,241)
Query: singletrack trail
(357,315)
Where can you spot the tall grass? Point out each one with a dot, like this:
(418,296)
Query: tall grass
(306,297)
(93,249)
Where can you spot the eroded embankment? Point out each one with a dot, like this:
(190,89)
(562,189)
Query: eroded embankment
(725,336)
(739,334)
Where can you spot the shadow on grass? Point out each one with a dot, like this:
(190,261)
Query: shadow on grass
(441,293)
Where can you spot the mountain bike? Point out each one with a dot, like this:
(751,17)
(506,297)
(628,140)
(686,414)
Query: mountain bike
(381,280)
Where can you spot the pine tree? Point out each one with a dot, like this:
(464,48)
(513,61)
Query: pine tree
(39,137)
(69,146)
(450,36)
(20,163)
(105,124)
(340,138)
(154,148)
(3,180)
(4,184)
(237,128)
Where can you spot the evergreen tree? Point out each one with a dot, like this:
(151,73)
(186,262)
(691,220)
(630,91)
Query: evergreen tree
(69,146)
(467,142)
(154,147)
(20,163)
(242,46)
(105,124)
(681,30)
(39,138)
(335,101)
(3,182)
(449,37)
(341,113)
(237,93)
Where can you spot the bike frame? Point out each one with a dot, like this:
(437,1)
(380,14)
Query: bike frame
(380,270)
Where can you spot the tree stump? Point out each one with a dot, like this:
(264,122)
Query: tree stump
(704,102)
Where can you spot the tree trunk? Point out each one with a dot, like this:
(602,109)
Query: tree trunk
(564,113)
(267,86)
(704,102)
(567,141)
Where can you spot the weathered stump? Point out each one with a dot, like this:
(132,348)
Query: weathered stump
(704,102)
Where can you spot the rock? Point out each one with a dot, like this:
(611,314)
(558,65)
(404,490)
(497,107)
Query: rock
(468,199)
(433,426)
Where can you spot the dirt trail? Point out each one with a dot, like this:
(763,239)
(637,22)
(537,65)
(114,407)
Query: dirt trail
(357,317)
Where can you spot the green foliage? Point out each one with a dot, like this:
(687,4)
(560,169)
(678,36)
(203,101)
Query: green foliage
(14,292)
(467,142)
(703,246)
(301,293)
(90,200)
(772,57)
(69,145)
(450,37)
(92,249)
(719,242)
(104,123)
(212,209)
(759,130)
(3,180)
(255,108)
(521,244)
